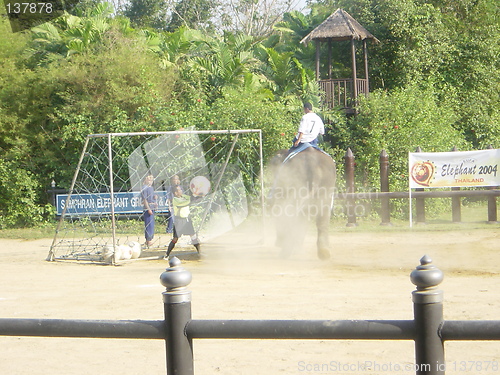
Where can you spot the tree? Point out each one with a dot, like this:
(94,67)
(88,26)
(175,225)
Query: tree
(115,85)
(252,17)
(194,14)
(148,13)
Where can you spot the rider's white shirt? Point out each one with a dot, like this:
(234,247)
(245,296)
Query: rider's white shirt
(311,126)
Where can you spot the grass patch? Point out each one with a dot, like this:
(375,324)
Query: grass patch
(45,231)
(474,216)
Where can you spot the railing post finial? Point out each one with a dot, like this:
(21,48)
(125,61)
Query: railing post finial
(426,276)
(175,278)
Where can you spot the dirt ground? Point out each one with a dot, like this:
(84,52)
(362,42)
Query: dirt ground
(367,278)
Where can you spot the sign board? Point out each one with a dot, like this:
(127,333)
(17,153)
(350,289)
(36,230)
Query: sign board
(100,203)
(454,169)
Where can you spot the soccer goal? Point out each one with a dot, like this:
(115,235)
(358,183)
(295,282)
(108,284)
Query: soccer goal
(101,215)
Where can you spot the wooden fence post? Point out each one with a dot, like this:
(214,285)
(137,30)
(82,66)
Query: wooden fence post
(385,210)
(349,176)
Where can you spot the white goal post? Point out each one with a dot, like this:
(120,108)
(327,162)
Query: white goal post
(102,209)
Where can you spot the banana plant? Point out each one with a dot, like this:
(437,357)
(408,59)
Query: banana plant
(287,77)
(227,62)
(69,34)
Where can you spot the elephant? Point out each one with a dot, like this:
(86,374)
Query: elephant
(303,188)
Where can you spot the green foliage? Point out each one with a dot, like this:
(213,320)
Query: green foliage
(194,14)
(68,35)
(176,47)
(287,77)
(19,198)
(452,45)
(224,64)
(11,44)
(398,122)
(147,13)
(235,109)
(238,110)
(46,112)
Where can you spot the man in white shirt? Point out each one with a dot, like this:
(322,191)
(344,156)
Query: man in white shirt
(310,127)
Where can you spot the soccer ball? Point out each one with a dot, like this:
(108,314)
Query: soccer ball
(199,186)
(136,249)
(125,251)
(121,252)
(132,250)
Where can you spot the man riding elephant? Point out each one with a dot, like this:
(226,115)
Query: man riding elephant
(303,188)
(310,127)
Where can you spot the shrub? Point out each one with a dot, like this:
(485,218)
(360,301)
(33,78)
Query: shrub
(18,198)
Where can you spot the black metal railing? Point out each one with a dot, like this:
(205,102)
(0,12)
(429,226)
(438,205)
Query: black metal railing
(428,329)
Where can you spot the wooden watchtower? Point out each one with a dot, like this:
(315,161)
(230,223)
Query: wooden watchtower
(343,92)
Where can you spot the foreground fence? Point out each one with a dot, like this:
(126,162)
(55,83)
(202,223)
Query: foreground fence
(428,329)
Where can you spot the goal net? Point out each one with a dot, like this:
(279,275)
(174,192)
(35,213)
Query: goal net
(103,210)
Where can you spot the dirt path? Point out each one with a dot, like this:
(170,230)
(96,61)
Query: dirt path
(367,278)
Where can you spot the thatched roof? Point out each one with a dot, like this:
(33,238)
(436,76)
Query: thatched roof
(339,26)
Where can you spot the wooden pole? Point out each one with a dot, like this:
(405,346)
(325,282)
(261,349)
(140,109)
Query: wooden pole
(365,53)
(354,73)
(330,58)
(385,211)
(349,176)
(317,60)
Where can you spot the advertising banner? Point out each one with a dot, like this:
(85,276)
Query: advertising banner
(454,169)
(100,203)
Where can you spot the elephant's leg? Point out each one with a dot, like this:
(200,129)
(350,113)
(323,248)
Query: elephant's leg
(323,226)
(291,230)
(285,230)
